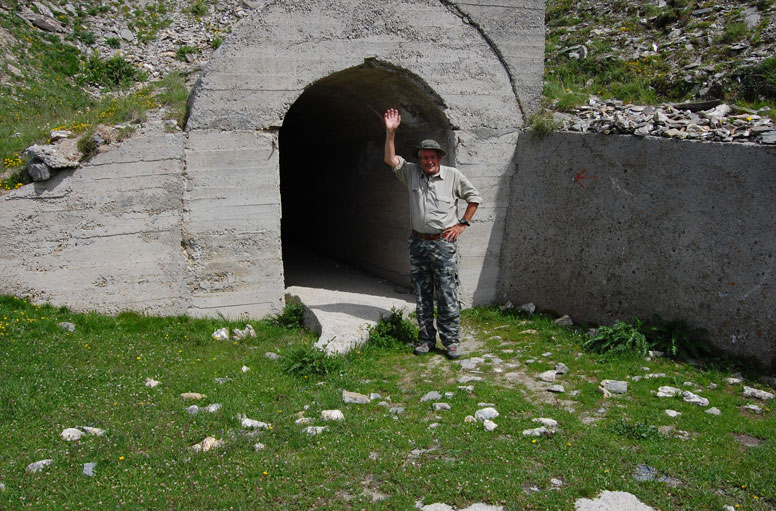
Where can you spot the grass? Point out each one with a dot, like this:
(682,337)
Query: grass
(54,379)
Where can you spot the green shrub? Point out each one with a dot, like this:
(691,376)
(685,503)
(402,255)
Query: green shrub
(87,145)
(307,360)
(112,73)
(393,332)
(541,124)
(291,317)
(198,8)
(183,51)
(216,42)
(676,338)
(621,338)
(639,431)
(113,42)
(758,82)
(734,31)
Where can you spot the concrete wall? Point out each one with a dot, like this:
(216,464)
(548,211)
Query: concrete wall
(612,227)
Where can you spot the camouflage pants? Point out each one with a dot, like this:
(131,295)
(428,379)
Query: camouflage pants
(434,272)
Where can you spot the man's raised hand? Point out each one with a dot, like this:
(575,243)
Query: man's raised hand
(392,119)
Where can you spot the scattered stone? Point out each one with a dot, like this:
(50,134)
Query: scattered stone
(507,306)
(259,446)
(666,391)
(561,368)
(272,356)
(193,409)
(433,425)
(548,423)
(612,501)
(315,430)
(547,354)
(151,383)
(469,419)
(541,431)
(72,434)
(556,389)
(302,420)
(471,363)
(38,466)
(528,308)
(450,395)
(192,395)
(245,333)
(757,394)
(92,431)
(556,483)
(469,378)
(714,411)
(529,331)
(355,398)
(430,396)
(673,413)
(694,399)
(247,423)
(221,381)
(440,407)
(374,396)
(564,320)
(547,376)
(245,369)
(489,425)
(89,469)
(486,413)
(606,393)
(66,325)
(652,376)
(207,444)
(222,334)
(753,408)
(396,410)
(615,386)
(212,408)
(644,473)
(332,415)
(655,354)
(748,440)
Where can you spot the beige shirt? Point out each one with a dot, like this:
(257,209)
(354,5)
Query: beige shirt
(434,199)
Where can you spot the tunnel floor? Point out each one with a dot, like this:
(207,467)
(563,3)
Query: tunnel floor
(341,302)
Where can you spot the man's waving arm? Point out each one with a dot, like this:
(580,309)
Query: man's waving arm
(392,122)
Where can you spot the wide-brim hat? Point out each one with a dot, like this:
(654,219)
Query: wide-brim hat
(429,144)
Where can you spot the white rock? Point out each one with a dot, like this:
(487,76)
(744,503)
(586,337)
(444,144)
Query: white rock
(192,395)
(603,391)
(315,430)
(396,410)
(666,391)
(66,325)
(150,382)
(469,378)
(652,376)
(374,395)
(93,431)
(757,394)
(546,354)
(529,331)
(673,413)
(440,407)
(612,501)
(556,389)
(546,422)
(484,414)
(530,308)
(489,425)
(656,354)
(193,409)
(561,368)
(753,408)
(247,332)
(714,411)
(212,408)
(88,469)
(332,415)
(694,399)
(72,434)
(615,386)
(272,355)
(467,388)
(430,396)
(355,398)
(252,423)
(245,369)
(222,334)
(259,446)
(469,418)
(302,420)
(542,431)
(207,444)
(38,466)
(547,376)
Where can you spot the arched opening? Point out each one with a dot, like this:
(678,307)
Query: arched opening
(338,198)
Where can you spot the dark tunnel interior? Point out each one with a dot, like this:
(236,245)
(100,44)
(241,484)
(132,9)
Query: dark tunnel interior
(339,199)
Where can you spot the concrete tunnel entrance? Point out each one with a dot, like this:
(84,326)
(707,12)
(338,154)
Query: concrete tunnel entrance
(339,200)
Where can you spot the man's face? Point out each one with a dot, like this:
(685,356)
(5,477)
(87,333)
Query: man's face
(429,160)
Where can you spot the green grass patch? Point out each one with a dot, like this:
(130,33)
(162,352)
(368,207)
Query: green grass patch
(95,376)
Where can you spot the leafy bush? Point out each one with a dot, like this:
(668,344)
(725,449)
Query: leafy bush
(307,360)
(291,317)
(393,332)
(113,42)
(639,431)
(759,82)
(622,337)
(87,145)
(676,338)
(216,42)
(198,8)
(113,72)
(183,51)
(541,124)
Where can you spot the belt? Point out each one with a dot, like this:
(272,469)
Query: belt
(426,236)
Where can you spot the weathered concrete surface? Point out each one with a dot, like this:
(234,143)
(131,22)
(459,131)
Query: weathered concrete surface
(105,237)
(612,227)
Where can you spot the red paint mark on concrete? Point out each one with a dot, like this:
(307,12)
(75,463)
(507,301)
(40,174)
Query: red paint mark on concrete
(580,176)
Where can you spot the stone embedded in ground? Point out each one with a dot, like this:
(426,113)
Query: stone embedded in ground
(259,446)
(315,430)
(753,408)
(207,444)
(38,466)
(212,408)
(247,423)
(272,355)
(396,410)
(221,381)
(733,380)
(92,431)
(673,413)
(602,390)
(489,425)
(150,382)
(541,431)
(652,376)
(564,320)
(561,368)
(529,331)
(222,334)
(245,369)
(547,354)
(713,411)
(615,386)
(66,325)
(89,469)
(247,332)
(546,422)
(471,363)
(72,434)
(757,394)
(666,391)
(302,420)
(556,389)
(644,473)
(354,398)
(430,396)
(193,409)
(332,415)
(611,501)
(440,407)
(547,376)
(374,395)
(192,395)
(486,413)
(467,388)
(433,425)
(694,399)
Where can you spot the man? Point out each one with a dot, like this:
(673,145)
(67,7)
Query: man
(433,192)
